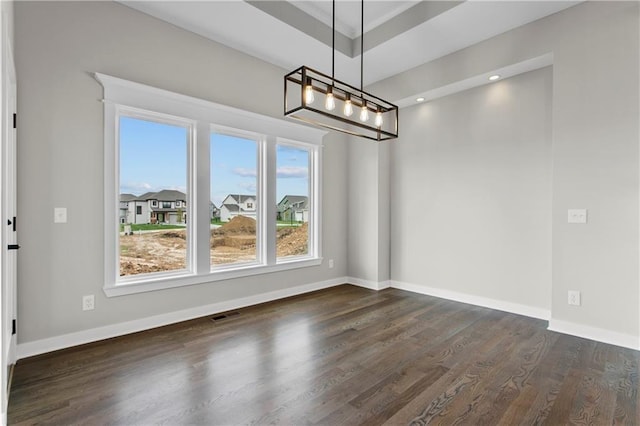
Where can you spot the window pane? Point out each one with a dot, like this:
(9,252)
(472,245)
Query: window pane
(233,207)
(153,179)
(292,187)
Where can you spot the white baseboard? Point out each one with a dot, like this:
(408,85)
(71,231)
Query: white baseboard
(578,330)
(499,305)
(38,347)
(595,333)
(371,285)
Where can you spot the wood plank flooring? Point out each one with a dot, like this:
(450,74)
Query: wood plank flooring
(345,355)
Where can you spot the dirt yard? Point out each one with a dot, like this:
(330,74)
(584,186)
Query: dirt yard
(235,241)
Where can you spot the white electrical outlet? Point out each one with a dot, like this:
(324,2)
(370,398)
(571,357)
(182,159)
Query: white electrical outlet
(88,302)
(574,298)
(59,215)
(330,263)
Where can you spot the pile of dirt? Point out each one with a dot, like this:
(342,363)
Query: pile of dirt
(130,268)
(174,234)
(152,252)
(239,232)
(237,225)
(234,241)
(293,241)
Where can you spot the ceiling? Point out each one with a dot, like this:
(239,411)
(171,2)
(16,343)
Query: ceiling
(399,35)
(348,13)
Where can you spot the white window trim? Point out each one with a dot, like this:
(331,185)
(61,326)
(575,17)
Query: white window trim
(118,93)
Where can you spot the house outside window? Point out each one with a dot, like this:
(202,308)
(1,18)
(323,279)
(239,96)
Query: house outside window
(146,138)
(234,164)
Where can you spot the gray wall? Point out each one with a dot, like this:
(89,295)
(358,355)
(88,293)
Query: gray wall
(594,154)
(368,236)
(61,164)
(595,135)
(471,192)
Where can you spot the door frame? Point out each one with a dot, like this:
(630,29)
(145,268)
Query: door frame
(8,208)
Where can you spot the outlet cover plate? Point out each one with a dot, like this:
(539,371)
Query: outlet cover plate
(59,215)
(574,298)
(577,216)
(88,302)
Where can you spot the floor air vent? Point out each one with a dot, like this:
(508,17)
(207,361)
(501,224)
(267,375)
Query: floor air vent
(224,316)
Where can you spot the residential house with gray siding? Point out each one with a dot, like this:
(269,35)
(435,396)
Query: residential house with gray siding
(294,208)
(167,206)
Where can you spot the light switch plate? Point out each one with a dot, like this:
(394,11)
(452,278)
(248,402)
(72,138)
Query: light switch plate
(577,216)
(60,215)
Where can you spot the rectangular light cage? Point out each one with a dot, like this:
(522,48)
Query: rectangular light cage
(318,99)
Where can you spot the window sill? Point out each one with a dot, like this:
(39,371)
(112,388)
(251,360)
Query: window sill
(162,283)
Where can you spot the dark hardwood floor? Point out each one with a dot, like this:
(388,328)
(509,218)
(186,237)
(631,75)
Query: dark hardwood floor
(345,355)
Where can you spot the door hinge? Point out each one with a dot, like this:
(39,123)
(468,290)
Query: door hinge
(15,120)
(14,327)
(12,222)
(13,247)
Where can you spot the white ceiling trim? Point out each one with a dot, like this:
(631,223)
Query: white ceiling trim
(348,13)
(478,80)
(246,28)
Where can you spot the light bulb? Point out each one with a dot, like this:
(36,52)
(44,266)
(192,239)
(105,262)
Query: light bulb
(378,119)
(348,108)
(364,113)
(330,102)
(308,94)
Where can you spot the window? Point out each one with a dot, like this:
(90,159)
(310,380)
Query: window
(234,180)
(153,159)
(292,187)
(162,145)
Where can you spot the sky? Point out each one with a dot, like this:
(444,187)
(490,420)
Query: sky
(153,156)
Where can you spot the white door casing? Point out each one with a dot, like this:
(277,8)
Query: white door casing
(8,211)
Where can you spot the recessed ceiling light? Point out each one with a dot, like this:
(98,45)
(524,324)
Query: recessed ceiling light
(420,99)
(494,77)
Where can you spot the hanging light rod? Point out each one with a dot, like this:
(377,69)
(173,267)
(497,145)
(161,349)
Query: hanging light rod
(321,100)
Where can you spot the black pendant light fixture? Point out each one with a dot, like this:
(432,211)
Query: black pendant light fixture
(321,100)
